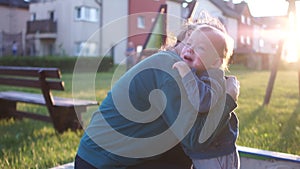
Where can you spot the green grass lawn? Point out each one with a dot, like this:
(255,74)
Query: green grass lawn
(276,127)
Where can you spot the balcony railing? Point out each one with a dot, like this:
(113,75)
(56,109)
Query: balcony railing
(41,26)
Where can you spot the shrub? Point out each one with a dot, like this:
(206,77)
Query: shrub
(65,64)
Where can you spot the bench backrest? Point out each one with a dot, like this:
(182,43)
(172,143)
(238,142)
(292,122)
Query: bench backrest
(63,111)
(46,79)
(35,77)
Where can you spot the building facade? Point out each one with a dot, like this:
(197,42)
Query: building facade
(92,27)
(63,28)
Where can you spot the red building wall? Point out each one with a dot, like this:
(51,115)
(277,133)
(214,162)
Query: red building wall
(245,30)
(147,9)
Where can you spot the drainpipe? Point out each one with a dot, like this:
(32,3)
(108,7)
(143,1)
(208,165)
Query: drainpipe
(100,3)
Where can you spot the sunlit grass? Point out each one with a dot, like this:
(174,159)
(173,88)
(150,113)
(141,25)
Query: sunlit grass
(275,126)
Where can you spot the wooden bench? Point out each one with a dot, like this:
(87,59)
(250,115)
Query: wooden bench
(64,113)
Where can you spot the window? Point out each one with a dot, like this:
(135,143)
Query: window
(51,15)
(33,16)
(261,43)
(78,13)
(87,14)
(152,20)
(85,49)
(248,40)
(243,19)
(93,15)
(141,22)
(242,39)
(248,20)
(139,49)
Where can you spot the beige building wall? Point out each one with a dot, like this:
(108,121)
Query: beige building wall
(115,28)
(71,31)
(13,21)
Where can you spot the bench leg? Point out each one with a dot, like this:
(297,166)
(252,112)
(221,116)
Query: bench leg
(7,108)
(65,118)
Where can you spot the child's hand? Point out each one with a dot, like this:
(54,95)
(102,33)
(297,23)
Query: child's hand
(182,68)
(233,87)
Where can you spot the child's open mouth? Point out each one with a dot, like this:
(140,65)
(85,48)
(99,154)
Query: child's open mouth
(188,58)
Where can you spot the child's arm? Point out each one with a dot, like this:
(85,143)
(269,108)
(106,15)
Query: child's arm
(203,92)
(195,90)
(182,68)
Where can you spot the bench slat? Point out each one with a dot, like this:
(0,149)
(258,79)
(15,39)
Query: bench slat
(55,85)
(39,99)
(40,117)
(30,71)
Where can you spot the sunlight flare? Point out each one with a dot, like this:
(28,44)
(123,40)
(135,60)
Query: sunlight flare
(292,44)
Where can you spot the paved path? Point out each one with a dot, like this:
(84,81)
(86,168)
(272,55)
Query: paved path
(250,158)
(65,166)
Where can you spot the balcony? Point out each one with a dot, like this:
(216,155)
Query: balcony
(42,28)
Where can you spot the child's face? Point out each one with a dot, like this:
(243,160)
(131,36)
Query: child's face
(198,52)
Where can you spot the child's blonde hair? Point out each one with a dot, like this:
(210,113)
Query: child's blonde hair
(205,19)
(221,41)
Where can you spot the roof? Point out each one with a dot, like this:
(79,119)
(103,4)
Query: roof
(241,7)
(14,3)
(235,11)
(225,8)
(272,21)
